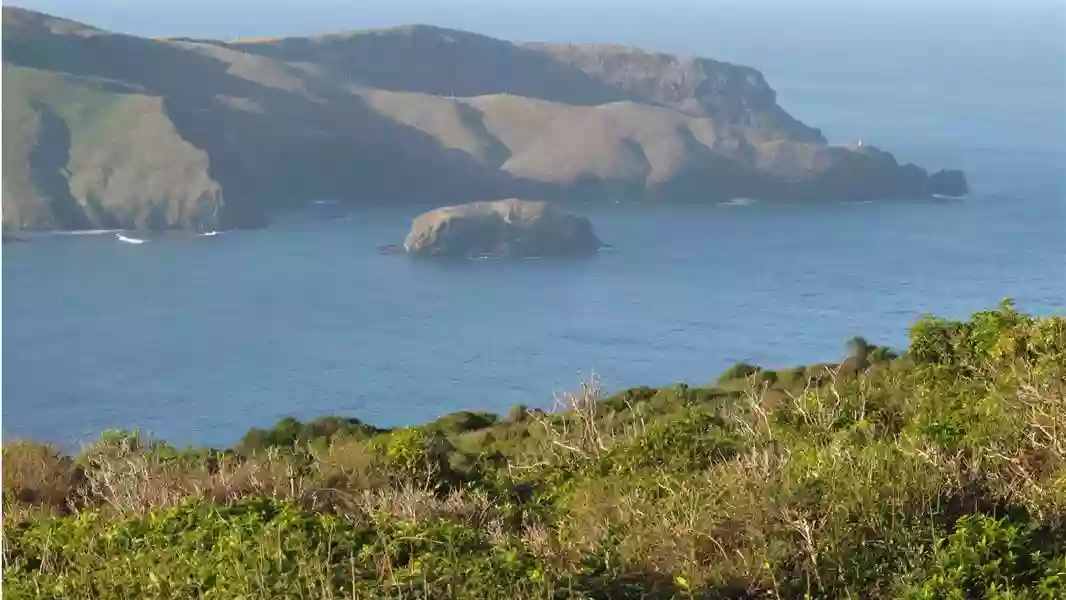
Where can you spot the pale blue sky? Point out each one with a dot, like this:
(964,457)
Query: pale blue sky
(963,46)
(553,19)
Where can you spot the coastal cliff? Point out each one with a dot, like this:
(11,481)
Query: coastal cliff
(110,130)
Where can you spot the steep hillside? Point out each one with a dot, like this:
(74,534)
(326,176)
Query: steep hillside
(696,86)
(81,155)
(103,129)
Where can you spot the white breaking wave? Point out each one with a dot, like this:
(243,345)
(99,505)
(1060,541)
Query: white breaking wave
(207,234)
(738,202)
(947,197)
(85,232)
(128,240)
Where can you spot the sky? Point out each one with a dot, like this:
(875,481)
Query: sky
(1020,43)
(655,22)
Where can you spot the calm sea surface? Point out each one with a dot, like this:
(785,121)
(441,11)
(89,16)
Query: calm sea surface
(196,339)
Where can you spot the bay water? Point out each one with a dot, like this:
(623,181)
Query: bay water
(196,339)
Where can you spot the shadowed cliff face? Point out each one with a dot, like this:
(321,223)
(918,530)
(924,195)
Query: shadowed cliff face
(48,161)
(206,134)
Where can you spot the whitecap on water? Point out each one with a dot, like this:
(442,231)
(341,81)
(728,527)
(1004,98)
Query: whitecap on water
(128,240)
(85,232)
(738,202)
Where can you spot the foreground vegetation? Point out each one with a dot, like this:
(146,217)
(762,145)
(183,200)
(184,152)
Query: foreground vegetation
(940,473)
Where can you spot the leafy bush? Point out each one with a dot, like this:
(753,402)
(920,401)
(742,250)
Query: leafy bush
(881,354)
(740,370)
(267,548)
(463,421)
(994,558)
(290,432)
(690,440)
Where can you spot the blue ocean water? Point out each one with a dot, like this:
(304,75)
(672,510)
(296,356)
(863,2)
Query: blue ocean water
(196,339)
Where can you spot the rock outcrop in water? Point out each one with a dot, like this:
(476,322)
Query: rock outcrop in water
(103,130)
(505,228)
(948,183)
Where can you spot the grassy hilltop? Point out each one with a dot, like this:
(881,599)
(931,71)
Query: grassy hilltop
(938,473)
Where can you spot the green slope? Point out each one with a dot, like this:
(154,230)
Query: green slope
(77,154)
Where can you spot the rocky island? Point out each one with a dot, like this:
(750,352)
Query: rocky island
(104,130)
(509,228)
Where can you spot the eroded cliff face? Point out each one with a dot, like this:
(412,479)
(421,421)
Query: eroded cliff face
(700,87)
(103,129)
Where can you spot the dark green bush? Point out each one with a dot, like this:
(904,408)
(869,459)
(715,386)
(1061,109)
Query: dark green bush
(740,370)
(290,432)
(689,440)
(881,354)
(986,557)
(463,421)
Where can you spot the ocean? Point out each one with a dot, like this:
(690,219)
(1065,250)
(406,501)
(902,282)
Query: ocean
(197,339)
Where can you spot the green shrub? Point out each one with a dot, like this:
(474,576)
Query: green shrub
(994,558)
(463,421)
(689,440)
(290,432)
(740,370)
(881,354)
(252,548)
(422,456)
(259,548)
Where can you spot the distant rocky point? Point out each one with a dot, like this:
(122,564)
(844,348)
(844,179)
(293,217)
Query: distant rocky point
(110,131)
(509,228)
(948,183)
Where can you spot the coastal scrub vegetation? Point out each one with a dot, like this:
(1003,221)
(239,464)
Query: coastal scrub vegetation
(939,472)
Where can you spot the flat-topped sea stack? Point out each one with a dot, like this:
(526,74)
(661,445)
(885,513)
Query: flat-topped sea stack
(509,228)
